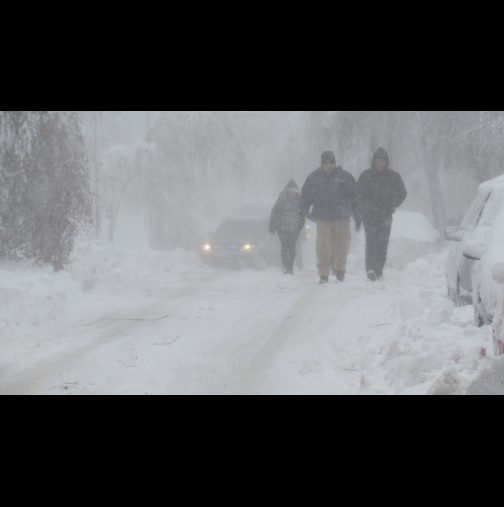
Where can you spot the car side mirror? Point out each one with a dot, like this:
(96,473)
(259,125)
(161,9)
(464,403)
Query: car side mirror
(455,234)
(476,244)
(473,253)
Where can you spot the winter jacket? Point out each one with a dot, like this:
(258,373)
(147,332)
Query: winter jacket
(286,217)
(380,192)
(332,195)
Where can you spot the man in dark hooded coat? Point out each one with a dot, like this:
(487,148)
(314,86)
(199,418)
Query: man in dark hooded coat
(380,192)
(287,221)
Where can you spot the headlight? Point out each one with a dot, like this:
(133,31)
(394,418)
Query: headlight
(207,247)
(247,248)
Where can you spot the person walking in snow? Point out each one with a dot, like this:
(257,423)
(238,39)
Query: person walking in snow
(332,193)
(287,221)
(381,191)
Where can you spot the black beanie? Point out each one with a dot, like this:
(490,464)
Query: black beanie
(328,157)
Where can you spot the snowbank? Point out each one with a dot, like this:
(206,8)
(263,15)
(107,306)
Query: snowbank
(412,237)
(116,270)
(101,277)
(490,381)
(432,346)
(413,226)
(30,296)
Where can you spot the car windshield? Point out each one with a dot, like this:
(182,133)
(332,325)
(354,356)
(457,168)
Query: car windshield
(493,205)
(474,213)
(256,228)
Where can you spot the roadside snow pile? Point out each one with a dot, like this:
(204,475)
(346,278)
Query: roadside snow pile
(116,270)
(102,276)
(413,226)
(412,237)
(430,337)
(490,381)
(31,296)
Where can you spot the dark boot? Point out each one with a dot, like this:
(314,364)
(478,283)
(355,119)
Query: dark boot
(340,276)
(324,280)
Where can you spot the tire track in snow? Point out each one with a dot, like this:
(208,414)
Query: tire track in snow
(250,379)
(121,325)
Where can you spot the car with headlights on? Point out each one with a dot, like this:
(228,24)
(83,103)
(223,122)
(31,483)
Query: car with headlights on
(242,242)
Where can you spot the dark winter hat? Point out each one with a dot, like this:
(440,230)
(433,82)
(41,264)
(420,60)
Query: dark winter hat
(328,157)
(292,184)
(381,154)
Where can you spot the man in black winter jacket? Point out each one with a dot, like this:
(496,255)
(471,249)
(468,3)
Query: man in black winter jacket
(381,191)
(287,220)
(332,193)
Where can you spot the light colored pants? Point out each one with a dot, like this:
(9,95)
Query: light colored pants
(333,242)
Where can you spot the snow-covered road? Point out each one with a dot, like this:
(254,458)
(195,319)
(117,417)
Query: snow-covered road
(248,332)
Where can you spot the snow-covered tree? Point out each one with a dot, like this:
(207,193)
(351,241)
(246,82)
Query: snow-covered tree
(44,177)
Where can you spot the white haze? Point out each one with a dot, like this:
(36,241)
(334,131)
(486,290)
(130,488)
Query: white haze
(430,149)
(130,308)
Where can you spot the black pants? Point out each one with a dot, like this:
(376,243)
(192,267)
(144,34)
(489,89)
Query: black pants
(288,249)
(377,242)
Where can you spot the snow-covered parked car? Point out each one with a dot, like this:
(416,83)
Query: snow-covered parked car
(475,256)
